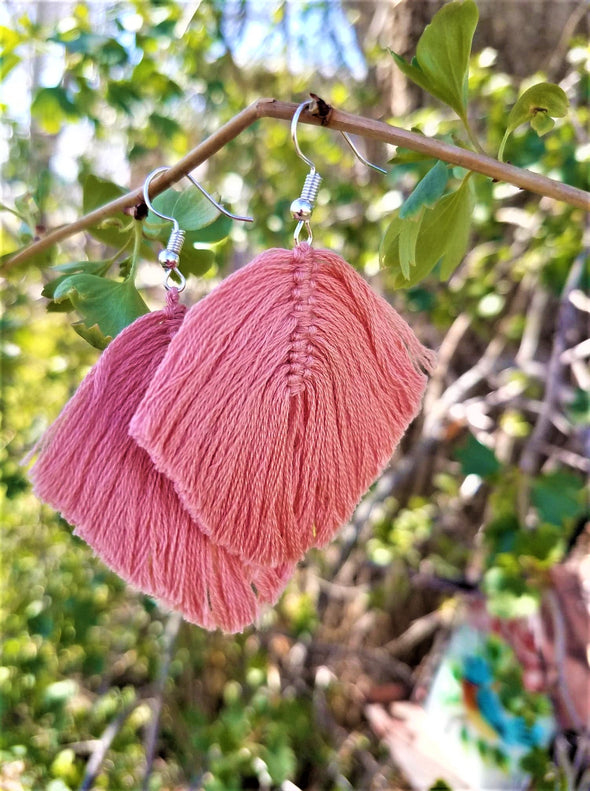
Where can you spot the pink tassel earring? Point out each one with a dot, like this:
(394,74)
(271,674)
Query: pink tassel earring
(282,397)
(93,472)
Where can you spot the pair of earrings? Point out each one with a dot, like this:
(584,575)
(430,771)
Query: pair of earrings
(210,448)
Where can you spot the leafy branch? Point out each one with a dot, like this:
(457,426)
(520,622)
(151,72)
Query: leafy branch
(336,119)
(432,228)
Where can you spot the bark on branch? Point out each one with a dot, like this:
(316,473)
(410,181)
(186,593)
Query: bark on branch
(338,120)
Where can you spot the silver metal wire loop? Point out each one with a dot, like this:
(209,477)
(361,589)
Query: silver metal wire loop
(170,256)
(300,225)
(302,207)
(169,281)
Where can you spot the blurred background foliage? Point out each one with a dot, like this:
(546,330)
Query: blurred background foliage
(475,499)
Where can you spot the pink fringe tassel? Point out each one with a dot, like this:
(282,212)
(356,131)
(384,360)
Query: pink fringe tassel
(280,401)
(91,470)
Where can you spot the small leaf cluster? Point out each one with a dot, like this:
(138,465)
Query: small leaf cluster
(517,558)
(432,227)
(106,305)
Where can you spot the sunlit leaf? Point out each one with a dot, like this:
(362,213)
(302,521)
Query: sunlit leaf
(51,107)
(389,250)
(427,191)
(110,304)
(8,60)
(545,97)
(538,105)
(407,243)
(457,221)
(542,123)
(195,261)
(443,237)
(441,65)
(190,208)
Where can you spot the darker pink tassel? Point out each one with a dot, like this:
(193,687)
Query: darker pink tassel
(93,472)
(280,401)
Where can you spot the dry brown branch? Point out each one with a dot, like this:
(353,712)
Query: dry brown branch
(339,120)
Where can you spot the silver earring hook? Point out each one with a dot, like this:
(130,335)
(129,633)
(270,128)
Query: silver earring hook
(218,206)
(358,154)
(170,256)
(294,122)
(302,207)
(201,189)
(345,135)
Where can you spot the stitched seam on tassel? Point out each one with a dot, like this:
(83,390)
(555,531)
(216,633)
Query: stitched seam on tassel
(303,296)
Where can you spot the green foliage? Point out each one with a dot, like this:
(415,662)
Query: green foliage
(559,497)
(538,105)
(517,562)
(441,65)
(412,247)
(79,646)
(114,231)
(104,304)
(427,192)
(477,459)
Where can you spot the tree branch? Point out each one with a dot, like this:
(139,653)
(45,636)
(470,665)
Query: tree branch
(102,745)
(336,119)
(170,633)
(566,316)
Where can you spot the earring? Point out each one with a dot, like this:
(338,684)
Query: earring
(282,397)
(93,472)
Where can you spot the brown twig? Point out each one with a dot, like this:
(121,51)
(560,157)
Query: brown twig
(565,318)
(339,120)
(102,745)
(170,634)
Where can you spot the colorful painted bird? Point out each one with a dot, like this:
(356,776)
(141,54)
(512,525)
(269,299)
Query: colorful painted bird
(486,712)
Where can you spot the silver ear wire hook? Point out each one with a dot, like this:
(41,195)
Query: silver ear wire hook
(358,154)
(170,256)
(218,206)
(302,207)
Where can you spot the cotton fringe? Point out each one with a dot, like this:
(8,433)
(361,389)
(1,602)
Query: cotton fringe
(280,400)
(94,473)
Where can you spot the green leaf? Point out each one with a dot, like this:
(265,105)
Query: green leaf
(558,497)
(441,65)
(51,107)
(8,60)
(389,249)
(215,232)
(413,72)
(542,123)
(75,267)
(92,335)
(196,261)
(537,105)
(443,237)
(545,97)
(115,231)
(190,208)
(427,191)
(477,459)
(407,243)
(579,409)
(110,304)
(457,219)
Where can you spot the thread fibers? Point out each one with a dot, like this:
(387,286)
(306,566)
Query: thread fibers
(94,473)
(280,400)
